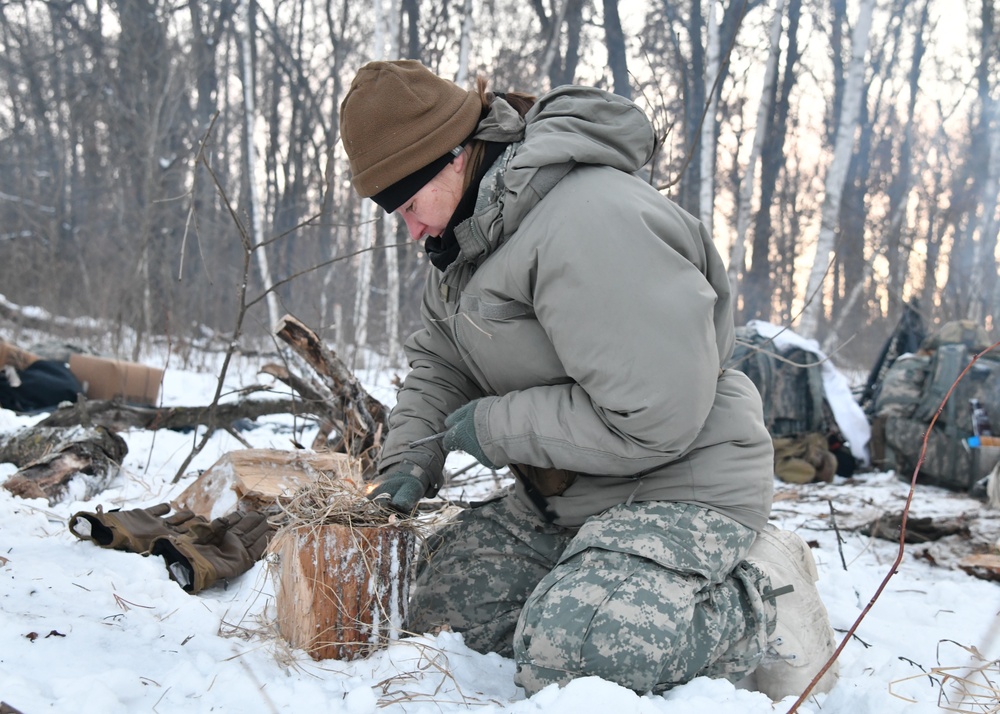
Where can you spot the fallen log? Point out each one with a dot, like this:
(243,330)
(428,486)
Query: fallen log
(117,416)
(75,462)
(918,530)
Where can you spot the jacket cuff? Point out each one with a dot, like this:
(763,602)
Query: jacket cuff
(481,421)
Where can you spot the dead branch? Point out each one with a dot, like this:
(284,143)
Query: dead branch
(360,419)
(335,373)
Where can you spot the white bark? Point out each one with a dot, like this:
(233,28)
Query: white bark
(464,45)
(378,32)
(385,46)
(706,199)
(739,249)
(837,173)
(988,226)
(366,239)
(392,21)
(392,289)
(250,155)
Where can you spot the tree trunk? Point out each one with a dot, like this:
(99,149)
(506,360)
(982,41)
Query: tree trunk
(250,158)
(706,199)
(837,172)
(545,67)
(758,298)
(411,9)
(393,293)
(986,225)
(987,228)
(902,180)
(763,128)
(464,45)
(365,270)
(615,40)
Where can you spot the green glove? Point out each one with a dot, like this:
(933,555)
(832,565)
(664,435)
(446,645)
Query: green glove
(133,530)
(462,436)
(401,488)
(208,552)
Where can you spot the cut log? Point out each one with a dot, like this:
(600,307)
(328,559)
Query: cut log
(985,566)
(342,591)
(73,462)
(255,480)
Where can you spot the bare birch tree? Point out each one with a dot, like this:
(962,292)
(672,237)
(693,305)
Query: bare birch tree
(385,46)
(989,222)
(986,146)
(250,158)
(465,45)
(837,171)
(706,200)
(738,252)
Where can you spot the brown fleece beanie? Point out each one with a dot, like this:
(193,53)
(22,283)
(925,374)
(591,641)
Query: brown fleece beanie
(398,118)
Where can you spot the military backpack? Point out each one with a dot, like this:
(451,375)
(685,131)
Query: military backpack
(914,389)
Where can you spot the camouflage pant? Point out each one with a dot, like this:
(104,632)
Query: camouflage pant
(648,595)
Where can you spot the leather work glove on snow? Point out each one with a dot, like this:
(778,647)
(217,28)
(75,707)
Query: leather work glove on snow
(402,487)
(461,435)
(133,530)
(208,552)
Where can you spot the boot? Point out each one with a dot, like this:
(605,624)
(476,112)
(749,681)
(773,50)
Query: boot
(15,357)
(803,640)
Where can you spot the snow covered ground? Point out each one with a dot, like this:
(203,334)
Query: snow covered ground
(84,629)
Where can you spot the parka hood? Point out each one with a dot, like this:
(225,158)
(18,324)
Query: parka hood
(566,127)
(573,125)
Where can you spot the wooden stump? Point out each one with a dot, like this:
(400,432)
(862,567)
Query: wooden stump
(342,591)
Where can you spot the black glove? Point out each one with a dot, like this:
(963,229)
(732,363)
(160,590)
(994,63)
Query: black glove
(208,552)
(133,530)
(461,435)
(402,487)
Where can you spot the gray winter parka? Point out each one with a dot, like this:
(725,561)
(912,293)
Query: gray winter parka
(590,315)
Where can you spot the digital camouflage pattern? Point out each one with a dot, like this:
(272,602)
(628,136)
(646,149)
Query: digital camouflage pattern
(899,392)
(790,382)
(648,595)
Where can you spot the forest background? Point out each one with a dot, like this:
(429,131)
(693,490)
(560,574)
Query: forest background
(173,167)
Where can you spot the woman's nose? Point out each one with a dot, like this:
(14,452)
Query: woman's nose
(415,227)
